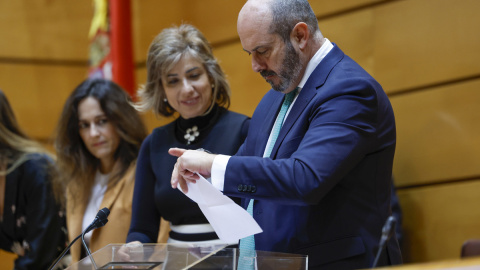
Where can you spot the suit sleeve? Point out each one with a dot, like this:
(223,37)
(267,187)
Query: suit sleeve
(145,221)
(322,147)
(244,132)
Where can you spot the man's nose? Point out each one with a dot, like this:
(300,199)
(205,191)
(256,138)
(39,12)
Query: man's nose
(258,64)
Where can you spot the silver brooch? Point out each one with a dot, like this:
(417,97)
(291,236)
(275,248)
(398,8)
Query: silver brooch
(191,134)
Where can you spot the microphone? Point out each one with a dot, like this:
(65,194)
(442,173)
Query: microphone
(99,221)
(387,232)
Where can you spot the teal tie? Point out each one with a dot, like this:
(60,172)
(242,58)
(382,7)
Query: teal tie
(248,243)
(279,122)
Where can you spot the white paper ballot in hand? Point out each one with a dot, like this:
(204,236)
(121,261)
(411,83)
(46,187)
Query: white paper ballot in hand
(229,220)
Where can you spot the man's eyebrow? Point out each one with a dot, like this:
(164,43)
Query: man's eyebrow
(254,49)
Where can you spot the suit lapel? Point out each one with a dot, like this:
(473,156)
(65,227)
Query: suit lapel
(75,212)
(315,81)
(111,195)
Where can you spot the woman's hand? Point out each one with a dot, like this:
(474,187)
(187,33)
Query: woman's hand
(131,252)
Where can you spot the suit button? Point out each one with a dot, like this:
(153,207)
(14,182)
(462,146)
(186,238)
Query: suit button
(240,187)
(254,189)
(244,188)
(249,188)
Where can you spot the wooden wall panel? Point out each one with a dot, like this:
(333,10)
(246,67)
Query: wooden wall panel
(149,17)
(438,219)
(141,75)
(37,94)
(329,8)
(207,14)
(217,19)
(45,29)
(351,32)
(423,42)
(6,259)
(438,135)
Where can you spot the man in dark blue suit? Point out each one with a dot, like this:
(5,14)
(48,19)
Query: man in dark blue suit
(321,186)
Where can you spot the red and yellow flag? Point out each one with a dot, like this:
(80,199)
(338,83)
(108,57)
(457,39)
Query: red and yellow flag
(111,52)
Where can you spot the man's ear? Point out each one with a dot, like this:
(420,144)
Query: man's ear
(300,35)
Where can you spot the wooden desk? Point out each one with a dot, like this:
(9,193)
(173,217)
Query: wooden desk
(459,264)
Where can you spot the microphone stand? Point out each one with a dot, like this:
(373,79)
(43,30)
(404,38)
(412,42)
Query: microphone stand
(88,250)
(99,221)
(387,232)
(63,253)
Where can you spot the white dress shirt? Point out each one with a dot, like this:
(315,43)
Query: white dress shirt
(98,190)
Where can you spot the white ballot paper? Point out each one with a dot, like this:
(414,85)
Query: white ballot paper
(229,220)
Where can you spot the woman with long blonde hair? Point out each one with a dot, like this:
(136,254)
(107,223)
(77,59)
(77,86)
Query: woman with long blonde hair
(32,224)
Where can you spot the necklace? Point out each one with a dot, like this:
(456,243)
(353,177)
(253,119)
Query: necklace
(191,131)
(191,134)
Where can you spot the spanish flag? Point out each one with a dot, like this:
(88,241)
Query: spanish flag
(111,53)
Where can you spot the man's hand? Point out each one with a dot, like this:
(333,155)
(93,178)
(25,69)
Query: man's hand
(189,163)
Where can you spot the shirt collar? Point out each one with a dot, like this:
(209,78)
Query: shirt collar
(326,47)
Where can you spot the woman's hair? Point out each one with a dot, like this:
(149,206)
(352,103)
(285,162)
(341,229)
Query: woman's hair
(15,145)
(76,164)
(164,53)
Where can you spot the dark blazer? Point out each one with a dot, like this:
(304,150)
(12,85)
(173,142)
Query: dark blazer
(325,191)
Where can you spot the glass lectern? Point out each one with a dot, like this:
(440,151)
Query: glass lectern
(187,256)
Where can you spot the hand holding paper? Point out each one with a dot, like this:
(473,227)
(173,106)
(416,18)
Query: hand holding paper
(230,221)
(189,162)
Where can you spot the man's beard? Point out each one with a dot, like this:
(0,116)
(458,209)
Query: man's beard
(290,71)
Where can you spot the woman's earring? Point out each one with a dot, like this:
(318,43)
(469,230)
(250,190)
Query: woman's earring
(165,100)
(213,86)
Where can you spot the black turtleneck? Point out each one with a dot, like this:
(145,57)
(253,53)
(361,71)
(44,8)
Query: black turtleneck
(203,125)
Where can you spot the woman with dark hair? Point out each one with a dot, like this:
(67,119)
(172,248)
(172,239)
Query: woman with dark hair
(98,138)
(32,224)
(183,79)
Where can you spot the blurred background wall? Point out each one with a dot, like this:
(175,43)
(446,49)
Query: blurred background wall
(425,53)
